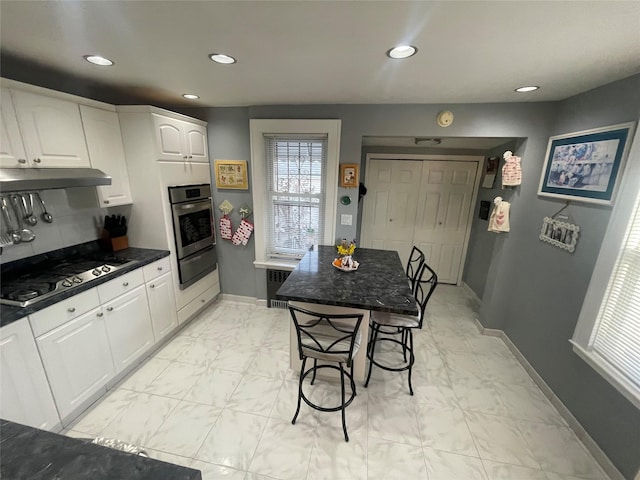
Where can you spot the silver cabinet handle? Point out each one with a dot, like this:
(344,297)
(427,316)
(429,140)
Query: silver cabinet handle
(152,286)
(159,269)
(99,314)
(37,160)
(71,309)
(125,284)
(22,160)
(107,202)
(109,309)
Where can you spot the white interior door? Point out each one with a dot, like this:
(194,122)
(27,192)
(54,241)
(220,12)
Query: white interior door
(426,203)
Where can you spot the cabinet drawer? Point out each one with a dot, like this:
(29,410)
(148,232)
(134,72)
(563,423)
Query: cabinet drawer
(62,312)
(197,303)
(155,269)
(118,286)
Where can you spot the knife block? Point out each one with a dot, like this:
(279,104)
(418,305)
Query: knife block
(113,244)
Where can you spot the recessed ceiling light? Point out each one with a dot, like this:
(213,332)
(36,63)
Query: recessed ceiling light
(190,96)
(98,60)
(222,58)
(527,89)
(402,51)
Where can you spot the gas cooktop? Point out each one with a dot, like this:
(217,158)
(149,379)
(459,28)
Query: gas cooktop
(47,279)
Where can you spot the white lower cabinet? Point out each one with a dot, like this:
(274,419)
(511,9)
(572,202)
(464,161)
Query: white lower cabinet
(77,359)
(128,327)
(25,396)
(162,304)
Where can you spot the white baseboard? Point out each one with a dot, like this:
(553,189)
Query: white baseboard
(238,298)
(607,466)
(473,295)
(260,302)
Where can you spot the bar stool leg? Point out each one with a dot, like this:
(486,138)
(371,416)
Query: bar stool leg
(376,327)
(404,344)
(344,419)
(412,357)
(315,369)
(304,361)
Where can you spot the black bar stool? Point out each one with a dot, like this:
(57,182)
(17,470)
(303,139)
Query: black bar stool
(331,338)
(392,324)
(414,265)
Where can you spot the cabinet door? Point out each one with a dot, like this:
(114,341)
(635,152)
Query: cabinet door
(11,148)
(106,152)
(77,360)
(25,396)
(196,142)
(128,327)
(51,131)
(162,304)
(169,138)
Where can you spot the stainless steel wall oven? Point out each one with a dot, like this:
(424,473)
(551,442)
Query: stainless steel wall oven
(193,231)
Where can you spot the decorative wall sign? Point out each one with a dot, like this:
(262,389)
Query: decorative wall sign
(231,174)
(560,234)
(349,175)
(585,166)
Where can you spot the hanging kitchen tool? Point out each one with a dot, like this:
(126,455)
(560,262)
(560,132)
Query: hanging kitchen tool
(26,235)
(45,215)
(27,206)
(13,232)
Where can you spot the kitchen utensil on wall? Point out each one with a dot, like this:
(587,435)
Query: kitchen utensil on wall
(26,235)
(27,206)
(14,233)
(45,215)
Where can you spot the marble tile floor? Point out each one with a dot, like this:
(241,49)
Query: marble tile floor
(219,397)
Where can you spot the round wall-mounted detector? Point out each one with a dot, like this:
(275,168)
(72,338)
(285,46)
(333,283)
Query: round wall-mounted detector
(445,118)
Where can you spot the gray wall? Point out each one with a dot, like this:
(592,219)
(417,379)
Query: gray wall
(534,291)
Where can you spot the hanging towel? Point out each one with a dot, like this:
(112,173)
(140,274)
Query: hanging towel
(499,220)
(511,170)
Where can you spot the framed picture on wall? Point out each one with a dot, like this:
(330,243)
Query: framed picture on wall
(586,166)
(349,175)
(231,174)
(560,234)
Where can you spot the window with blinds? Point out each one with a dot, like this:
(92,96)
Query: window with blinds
(616,337)
(296,169)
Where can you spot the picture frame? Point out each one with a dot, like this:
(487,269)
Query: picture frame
(560,234)
(349,175)
(585,166)
(231,174)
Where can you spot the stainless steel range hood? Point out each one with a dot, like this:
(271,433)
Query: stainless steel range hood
(24,179)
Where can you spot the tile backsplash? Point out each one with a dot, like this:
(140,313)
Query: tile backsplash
(77,218)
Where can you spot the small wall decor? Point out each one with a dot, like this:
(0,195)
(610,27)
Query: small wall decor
(349,175)
(499,220)
(560,234)
(586,165)
(511,170)
(490,172)
(231,174)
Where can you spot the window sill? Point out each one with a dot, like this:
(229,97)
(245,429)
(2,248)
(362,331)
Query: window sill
(630,391)
(277,264)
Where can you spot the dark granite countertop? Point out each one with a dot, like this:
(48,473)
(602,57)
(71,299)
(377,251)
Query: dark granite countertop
(379,283)
(143,256)
(32,454)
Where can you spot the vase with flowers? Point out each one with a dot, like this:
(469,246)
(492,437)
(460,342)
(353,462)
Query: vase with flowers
(345,250)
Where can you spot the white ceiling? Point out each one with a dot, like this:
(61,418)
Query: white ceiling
(310,52)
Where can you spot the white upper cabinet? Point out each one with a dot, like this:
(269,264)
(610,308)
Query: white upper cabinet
(106,152)
(51,131)
(12,153)
(25,396)
(180,141)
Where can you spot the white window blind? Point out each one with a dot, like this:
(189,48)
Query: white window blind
(296,169)
(616,337)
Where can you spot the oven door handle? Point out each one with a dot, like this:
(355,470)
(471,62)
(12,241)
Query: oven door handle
(195,206)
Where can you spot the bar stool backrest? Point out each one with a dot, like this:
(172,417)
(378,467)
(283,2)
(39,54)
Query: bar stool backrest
(330,337)
(426,283)
(416,260)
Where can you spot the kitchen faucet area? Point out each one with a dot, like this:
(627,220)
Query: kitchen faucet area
(357,240)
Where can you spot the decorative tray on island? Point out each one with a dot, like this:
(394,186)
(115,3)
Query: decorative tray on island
(338,264)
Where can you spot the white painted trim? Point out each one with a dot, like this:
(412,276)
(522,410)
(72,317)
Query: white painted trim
(607,466)
(260,302)
(238,298)
(258,174)
(159,111)
(471,293)
(479,159)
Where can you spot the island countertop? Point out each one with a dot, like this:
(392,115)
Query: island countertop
(379,283)
(32,454)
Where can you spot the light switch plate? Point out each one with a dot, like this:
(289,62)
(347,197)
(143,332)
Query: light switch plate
(346,219)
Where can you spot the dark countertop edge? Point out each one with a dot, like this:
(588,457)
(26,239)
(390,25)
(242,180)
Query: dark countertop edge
(337,303)
(32,454)
(144,256)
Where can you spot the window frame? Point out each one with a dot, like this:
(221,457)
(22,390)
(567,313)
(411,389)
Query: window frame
(258,128)
(605,263)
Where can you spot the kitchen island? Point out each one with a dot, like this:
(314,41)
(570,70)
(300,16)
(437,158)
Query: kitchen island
(379,284)
(33,454)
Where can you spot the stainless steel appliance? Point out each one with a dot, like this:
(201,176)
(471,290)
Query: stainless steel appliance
(35,283)
(193,232)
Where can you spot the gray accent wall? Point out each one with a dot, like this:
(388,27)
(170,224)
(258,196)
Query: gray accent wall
(534,291)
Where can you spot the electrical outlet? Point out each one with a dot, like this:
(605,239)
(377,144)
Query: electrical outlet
(346,219)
